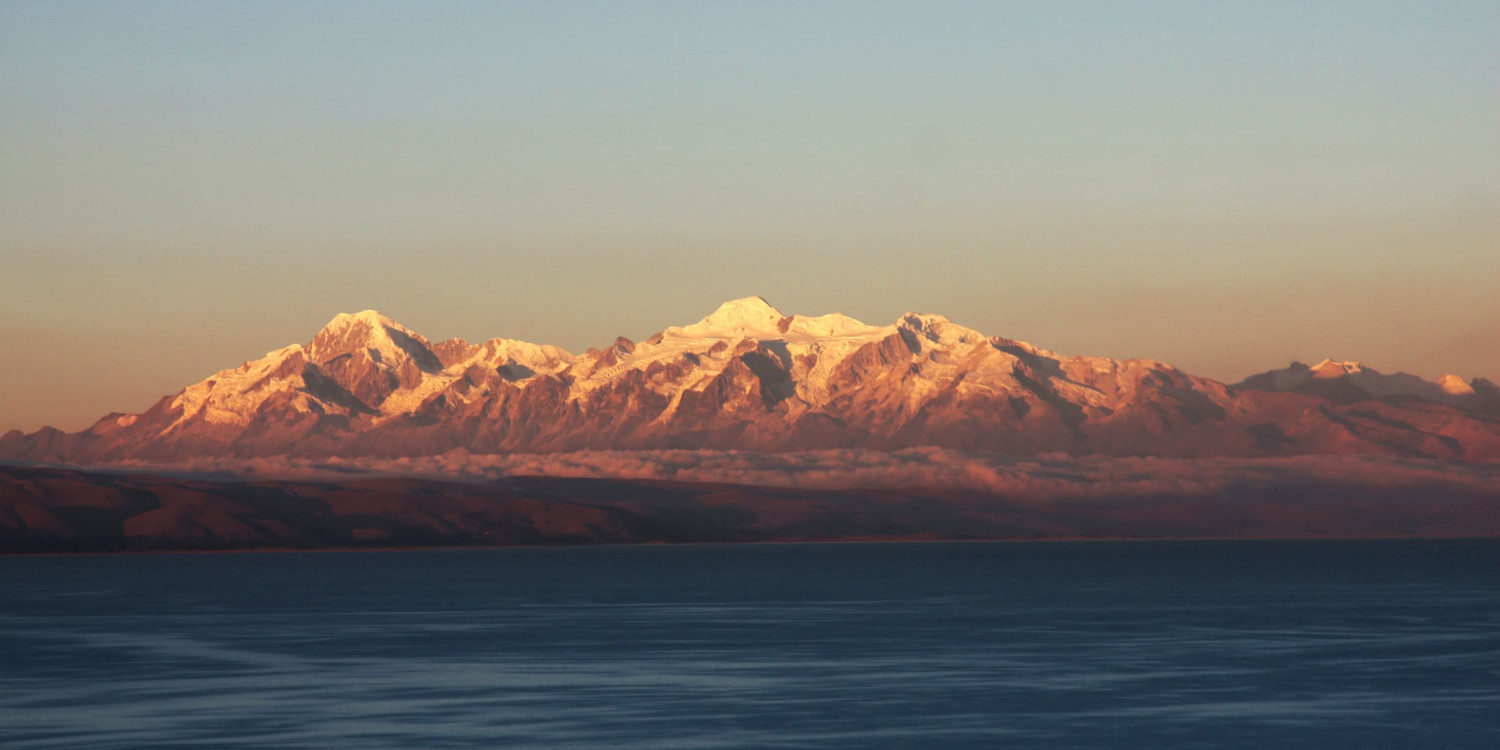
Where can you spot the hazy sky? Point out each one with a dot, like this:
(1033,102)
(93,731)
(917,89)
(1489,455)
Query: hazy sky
(1224,186)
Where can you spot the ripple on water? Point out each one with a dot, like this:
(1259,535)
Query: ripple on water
(1070,645)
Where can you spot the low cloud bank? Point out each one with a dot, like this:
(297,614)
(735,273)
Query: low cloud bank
(1042,478)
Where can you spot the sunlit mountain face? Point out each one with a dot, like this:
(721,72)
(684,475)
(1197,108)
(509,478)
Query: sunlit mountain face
(749,377)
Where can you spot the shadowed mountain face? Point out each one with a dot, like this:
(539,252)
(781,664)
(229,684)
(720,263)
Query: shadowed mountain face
(43,509)
(748,377)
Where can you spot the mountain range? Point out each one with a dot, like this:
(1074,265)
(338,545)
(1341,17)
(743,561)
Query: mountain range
(748,377)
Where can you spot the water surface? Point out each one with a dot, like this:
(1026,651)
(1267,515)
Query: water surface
(1377,643)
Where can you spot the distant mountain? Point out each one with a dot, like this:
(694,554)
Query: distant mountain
(1352,383)
(748,377)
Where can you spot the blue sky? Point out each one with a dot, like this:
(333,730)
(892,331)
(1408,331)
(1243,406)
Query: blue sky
(1224,186)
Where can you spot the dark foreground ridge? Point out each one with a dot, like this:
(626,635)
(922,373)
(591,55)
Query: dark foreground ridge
(65,510)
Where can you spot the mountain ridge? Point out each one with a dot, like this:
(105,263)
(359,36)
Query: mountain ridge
(748,377)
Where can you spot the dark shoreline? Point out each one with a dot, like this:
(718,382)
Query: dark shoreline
(45,510)
(5,553)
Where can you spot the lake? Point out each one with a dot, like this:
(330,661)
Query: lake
(1128,644)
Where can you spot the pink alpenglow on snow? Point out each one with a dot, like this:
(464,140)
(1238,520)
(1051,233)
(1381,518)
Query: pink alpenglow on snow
(748,377)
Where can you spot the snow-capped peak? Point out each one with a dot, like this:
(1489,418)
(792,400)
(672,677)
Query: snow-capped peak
(1449,389)
(748,317)
(538,357)
(232,396)
(832,325)
(368,329)
(373,316)
(938,329)
(1454,385)
(1329,368)
(344,322)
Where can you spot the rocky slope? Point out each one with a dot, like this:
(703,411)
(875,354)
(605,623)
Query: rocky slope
(748,377)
